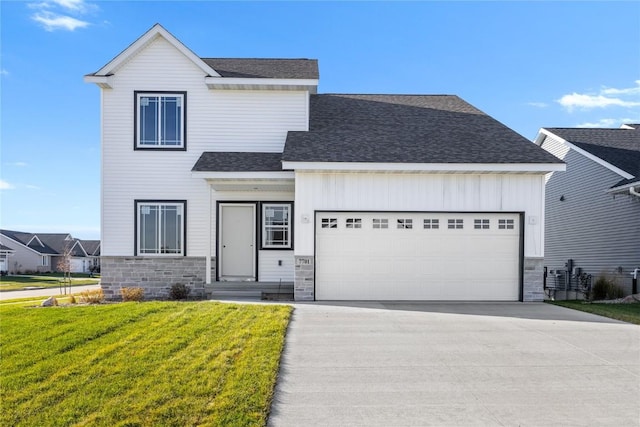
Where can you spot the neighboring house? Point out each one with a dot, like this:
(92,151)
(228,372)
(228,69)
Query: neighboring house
(5,253)
(593,209)
(41,252)
(92,248)
(237,170)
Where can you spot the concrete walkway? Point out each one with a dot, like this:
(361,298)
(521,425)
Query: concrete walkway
(44,292)
(429,364)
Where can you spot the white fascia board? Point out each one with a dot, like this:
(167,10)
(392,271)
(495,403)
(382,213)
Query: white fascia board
(102,81)
(588,155)
(156,31)
(240,81)
(243,175)
(624,188)
(426,167)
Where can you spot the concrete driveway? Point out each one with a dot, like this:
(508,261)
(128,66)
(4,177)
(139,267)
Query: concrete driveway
(456,364)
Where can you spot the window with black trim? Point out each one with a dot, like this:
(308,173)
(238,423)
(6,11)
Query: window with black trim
(160,120)
(481,224)
(455,224)
(506,224)
(329,223)
(380,223)
(276,225)
(405,223)
(432,224)
(160,227)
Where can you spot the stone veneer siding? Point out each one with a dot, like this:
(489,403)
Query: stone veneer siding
(303,287)
(155,275)
(532,279)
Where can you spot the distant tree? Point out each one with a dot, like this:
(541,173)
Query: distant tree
(64,265)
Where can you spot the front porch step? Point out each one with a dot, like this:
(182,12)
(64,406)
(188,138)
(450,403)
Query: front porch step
(250,290)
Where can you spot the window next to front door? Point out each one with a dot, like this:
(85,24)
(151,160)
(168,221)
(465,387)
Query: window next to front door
(276,225)
(160,120)
(160,227)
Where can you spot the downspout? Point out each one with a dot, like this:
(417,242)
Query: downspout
(633,192)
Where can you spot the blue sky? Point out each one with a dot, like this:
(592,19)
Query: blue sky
(528,64)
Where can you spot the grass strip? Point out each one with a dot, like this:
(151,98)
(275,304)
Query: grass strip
(626,312)
(152,363)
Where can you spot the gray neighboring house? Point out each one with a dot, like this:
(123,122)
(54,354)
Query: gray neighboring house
(5,253)
(593,209)
(41,252)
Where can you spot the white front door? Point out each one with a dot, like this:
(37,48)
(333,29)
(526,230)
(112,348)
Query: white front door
(237,242)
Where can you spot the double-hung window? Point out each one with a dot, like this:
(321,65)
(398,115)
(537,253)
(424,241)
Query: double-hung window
(276,225)
(160,120)
(160,227)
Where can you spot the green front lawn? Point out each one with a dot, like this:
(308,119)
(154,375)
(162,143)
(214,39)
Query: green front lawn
(49,280)
(140,364)
(625,312)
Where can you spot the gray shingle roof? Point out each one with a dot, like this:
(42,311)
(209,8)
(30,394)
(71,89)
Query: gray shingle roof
(238,162)
(265,68)
(92,247)
(5,248)
(406,129)
(619,147)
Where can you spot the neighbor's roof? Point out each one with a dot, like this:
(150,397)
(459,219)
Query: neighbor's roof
(265,68)
(406,129)
(25,238)
(619,147)
(91,246)
(238,162)
(5,248)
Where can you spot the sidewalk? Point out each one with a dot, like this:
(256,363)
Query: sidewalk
(44,292)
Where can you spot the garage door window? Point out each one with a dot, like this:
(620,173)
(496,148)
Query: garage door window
(481,224)
(505,224)
(405,223)
(455,224)
(329,223)
(432,224)
(354,223)
(380,223)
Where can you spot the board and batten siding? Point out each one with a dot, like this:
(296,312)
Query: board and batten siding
(419,192)
(598,231)
(216,121)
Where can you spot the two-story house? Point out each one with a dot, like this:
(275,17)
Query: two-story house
(238,170)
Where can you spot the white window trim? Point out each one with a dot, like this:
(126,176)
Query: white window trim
(265,206)
(183,238)
(182,133)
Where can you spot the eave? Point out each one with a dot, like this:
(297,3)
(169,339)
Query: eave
(540,168)
(236,83)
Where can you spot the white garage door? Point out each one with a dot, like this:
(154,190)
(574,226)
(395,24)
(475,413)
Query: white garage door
(417,256)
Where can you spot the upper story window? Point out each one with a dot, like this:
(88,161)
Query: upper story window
(160,228)
(160,120)
(276,225)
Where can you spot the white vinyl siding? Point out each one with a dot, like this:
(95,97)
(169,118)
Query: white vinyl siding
(420,192)
(275,265)
(216,121)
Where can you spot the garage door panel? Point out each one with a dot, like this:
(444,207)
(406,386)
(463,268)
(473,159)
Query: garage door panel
(407,258)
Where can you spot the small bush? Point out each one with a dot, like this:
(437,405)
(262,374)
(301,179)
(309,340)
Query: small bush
(179,291)
(132,294)
(93,296)
(72,299)
(605,288)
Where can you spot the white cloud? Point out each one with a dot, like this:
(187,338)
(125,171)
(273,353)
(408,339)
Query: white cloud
(4,72)
(32,187)
(18,164)
(606,97)
(55,15)
(52,21)
(538,104)
(4,185)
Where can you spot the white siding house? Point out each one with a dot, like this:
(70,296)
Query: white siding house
(220,169)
